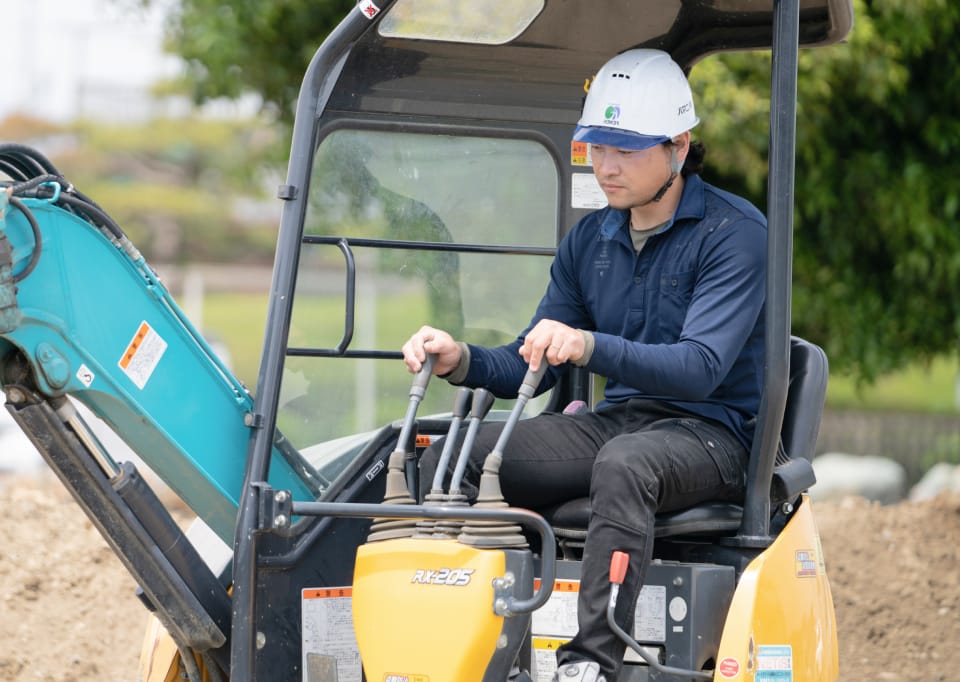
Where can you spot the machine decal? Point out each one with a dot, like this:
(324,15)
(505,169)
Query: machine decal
(729,667)
(142,355)
(374,470)
(457,577)
(585,191)
(85,376)
(544,657)
(558,617)
(774,663)
(806,563)
(580,154)
(329,645)
(392,677)
(369,9)
(650,619)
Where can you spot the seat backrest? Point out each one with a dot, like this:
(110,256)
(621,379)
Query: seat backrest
(805,398)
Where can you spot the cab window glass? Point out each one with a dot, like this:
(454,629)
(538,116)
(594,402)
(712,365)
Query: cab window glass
(479,21)
(451,231)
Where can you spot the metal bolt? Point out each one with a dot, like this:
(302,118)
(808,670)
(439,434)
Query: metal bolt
(15,395)
(280,521)
(261,640)
(282,496)
(678,581)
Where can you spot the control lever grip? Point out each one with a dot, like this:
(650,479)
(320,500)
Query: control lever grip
(618,567)
(422,377)
(481,404)
(532,379)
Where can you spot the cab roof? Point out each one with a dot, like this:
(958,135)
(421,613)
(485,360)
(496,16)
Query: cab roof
(541,68)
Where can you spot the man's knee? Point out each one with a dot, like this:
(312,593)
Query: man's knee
(625,478)
(624,459)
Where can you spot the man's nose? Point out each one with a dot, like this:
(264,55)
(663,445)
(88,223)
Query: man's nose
(604,164)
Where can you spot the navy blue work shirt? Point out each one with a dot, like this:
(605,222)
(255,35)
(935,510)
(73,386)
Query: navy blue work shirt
(682,321)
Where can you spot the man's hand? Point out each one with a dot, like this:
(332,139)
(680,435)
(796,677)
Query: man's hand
(554,340)
(430,340)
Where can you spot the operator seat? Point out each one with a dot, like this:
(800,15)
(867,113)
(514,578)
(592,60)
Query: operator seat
(793,471)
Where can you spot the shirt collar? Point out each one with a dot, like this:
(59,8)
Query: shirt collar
(691,206)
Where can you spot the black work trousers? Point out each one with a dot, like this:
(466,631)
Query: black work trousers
(633,460)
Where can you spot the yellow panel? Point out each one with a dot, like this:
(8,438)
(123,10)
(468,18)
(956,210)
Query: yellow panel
(781,618)
(423,610)
(160,659)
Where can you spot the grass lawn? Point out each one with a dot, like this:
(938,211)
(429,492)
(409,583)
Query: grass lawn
(919,388)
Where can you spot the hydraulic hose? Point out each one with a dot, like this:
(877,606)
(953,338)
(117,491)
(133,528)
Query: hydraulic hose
(37,238)
(31,172)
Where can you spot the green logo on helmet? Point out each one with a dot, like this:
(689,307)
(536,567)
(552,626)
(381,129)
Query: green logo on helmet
(611,114)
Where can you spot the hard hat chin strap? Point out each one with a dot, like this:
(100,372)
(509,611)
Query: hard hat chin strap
(675,167)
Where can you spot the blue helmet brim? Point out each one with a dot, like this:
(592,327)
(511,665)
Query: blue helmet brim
(621,139)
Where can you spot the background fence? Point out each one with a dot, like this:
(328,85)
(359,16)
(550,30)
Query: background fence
(914,440)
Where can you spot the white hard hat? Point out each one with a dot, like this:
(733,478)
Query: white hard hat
(639,98)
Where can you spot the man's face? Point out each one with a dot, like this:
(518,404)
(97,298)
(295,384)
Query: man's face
(627,177)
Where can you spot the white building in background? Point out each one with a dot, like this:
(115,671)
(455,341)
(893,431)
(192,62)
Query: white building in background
(83,58)
(95,59)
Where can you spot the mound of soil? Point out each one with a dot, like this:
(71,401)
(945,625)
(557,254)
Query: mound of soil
(70,615)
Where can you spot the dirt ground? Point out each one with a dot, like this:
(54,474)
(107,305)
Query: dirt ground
(68,611)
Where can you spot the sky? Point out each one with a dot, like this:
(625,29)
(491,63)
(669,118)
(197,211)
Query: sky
(89,57)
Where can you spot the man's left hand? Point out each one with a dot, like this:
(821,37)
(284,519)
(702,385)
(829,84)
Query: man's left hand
(553,340)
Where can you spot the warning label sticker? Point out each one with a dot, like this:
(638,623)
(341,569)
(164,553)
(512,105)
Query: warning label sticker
(545,658)
(580,154)
(558,617)
(774,662)
(142,355)
(329,648)
(585,191)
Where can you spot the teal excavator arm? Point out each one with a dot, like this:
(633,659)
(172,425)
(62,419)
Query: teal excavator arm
(83,315)
(83,319)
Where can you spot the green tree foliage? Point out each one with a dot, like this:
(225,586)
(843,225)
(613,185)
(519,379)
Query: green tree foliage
(877,235)
(261,46)
(877,192)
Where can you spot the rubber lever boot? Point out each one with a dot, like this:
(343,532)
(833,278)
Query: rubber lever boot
(494,534)
(436,496)
(579,671)
(397,483)
(482,401)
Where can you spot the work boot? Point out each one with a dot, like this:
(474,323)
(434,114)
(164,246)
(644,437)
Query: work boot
(579,671)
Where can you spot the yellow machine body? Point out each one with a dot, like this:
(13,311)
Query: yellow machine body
(423,610)
(781,625)
(160,659)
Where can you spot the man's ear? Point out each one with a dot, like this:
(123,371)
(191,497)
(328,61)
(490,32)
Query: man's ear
(681,143)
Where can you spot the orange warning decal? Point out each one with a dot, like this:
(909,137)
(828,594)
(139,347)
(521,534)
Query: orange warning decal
(135,344)
(560,585)
(579,154)
(327,592)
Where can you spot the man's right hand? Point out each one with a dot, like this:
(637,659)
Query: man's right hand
(430,340)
